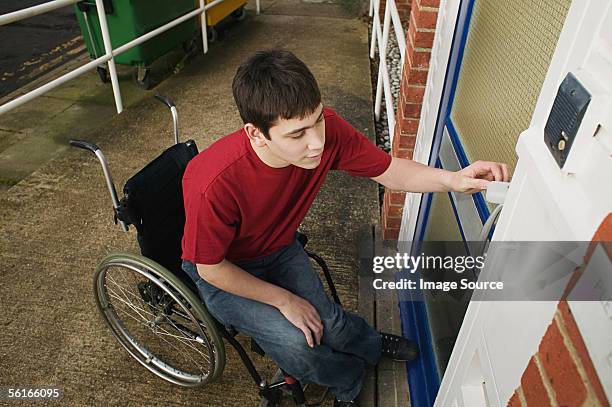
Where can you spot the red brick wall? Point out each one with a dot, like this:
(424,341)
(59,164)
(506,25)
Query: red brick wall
(561,373)
(419,41)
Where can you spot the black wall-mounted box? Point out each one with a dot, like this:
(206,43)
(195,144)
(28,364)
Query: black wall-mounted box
(565,118)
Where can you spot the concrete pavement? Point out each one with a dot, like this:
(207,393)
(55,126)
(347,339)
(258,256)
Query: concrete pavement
(57,219)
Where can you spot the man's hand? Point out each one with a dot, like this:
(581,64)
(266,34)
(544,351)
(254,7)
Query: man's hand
(476,176)
(411,176)
(231,278)
(303,315)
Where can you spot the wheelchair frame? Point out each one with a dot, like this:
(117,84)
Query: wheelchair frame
(168,286)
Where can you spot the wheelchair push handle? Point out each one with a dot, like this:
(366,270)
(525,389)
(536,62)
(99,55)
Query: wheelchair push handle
(85,145)
(166,100)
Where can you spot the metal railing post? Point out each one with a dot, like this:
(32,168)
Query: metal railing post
(382,63)
(34,11)
(399,32)
(375,28)
(204,27)
(112,70)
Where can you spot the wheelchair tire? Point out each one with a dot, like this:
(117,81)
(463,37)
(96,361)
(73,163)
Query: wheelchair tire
(158,320)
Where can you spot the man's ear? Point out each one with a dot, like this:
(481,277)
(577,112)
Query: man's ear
(255,135)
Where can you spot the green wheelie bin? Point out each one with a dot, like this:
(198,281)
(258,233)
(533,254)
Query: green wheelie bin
(129,19)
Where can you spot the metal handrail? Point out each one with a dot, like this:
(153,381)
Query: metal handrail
(110,53)
(380,38)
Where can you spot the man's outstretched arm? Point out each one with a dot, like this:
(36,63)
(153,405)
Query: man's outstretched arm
(411,176)
(231,278)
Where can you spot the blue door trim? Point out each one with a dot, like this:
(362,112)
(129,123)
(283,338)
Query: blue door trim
(448,93)
(423,376)
(481,206)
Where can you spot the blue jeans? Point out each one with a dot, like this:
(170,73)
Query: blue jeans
(348,343)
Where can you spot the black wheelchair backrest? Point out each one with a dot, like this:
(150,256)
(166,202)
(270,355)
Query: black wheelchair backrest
(153,203)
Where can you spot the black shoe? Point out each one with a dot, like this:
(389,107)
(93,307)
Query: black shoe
(398,348)
(352,403)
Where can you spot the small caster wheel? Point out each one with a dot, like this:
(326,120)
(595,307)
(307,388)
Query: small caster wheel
(212,34)
(103,74)
(275,395)
(239,14)
(142,78)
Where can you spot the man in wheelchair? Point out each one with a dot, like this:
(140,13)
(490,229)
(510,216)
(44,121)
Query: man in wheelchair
(245,197)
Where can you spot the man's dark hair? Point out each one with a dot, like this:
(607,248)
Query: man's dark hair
(273,85)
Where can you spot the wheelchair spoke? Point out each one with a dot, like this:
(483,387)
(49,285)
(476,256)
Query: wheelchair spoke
(136,296)
(166,333)
(123,291)
(182,351)
(142,313)
(185,341)
(130,305)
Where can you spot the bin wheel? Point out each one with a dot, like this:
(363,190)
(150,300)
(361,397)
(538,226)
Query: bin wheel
(239,14)
(212,34)
(142,78)
(103,74)
(191,46)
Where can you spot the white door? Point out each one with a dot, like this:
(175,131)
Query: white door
(547,203)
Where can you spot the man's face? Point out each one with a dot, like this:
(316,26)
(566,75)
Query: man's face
(299,142)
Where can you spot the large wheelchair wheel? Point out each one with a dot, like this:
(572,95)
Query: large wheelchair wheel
(158,320)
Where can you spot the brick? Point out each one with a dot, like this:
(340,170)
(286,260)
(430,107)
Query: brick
(403,153)
(396,136)
(395,211)
(409,125)
(424,18)
(424,39)
(409,135)
(420,59)
(418,76)
(560,367)
(407,64)
(412,110)
(395,143)
(396,197)
(533,387)
(414,94)
(408,58)
(429,3)
(515,401)
(578,342)
(420,38)
(407,141)
(392,223)
(386,200)
(390,234)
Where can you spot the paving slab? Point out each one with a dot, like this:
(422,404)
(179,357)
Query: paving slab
(35,115)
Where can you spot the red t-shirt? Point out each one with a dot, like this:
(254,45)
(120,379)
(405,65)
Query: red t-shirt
(238,208)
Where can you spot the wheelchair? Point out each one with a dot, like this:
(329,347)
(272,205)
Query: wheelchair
(150,304)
